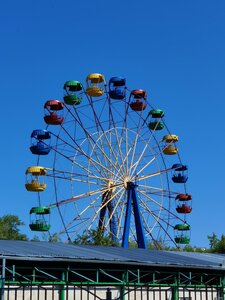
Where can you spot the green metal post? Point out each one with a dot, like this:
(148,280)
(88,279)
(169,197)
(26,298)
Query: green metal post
(62,289)
(222,290)
(122,288)
(175,293)
(122,293)
(175,290)
(2,283)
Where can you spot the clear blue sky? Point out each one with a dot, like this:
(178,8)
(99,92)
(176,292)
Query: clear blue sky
(174,49)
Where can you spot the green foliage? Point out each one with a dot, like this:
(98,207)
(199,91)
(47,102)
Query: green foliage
(216,245)
(220,245)
(52,238)
(9,228)
(94,237)
(189,248)
(35,238)
(213,241)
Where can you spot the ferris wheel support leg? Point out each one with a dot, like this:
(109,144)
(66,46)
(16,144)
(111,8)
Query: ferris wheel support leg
(102,212)
(113,226)
(110,207)
(138,220)
(101,219)
(126,230)
(133,201)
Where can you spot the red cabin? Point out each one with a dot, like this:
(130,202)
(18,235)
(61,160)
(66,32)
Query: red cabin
(138,100)
(53,112)
(183,197)
(183,209)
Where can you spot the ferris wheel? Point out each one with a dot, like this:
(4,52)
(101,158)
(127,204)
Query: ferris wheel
(107,161)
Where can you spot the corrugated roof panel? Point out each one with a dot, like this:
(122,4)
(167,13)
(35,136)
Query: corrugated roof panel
(59,251)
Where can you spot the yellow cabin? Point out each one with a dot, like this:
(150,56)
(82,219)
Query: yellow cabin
(34,183)
(171,138)
(170,150)
(95,84)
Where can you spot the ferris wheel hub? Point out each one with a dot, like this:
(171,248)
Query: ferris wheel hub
(126,182)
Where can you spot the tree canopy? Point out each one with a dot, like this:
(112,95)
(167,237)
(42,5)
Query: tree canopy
(9,228)
(216,245)
(95,237)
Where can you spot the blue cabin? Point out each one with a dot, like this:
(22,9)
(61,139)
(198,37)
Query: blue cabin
(117,88)
(39,144)
(180,173)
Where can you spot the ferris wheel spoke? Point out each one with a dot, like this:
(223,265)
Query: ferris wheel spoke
(100,147)
(84,195)
(91,174)
(161,207)
(96,119)
(140,126)
(123,162)
(129,149)
(108,201)
(74,175)
(81,151)
(121,158)
(110,162)
(90,140)
(157,219)
(96,214)
(158,191)
(147,176)
(111,118)
(124,157)
(75,198)
(117,197)
(100,168)
(146,165)
(149,231)
(121,213)
(102,206)
(134,144)
(155,216)
(99,126)
(79,179)
(80,216)
(114,156)
(135,166)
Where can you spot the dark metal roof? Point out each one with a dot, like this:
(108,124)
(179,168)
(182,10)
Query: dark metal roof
(26,250)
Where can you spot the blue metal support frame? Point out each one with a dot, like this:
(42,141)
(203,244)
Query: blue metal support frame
(132,201)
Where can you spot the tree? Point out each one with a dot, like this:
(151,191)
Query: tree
(220,246)
(35,238)
(213,241)
(94,237)
(54,238)
(9,228)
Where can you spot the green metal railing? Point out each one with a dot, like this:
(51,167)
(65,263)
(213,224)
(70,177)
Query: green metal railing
(37,280)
